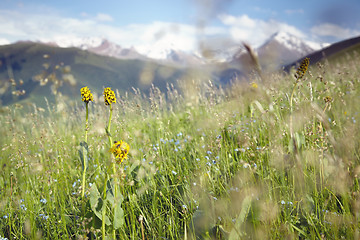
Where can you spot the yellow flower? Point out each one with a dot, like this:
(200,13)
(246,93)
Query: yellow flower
(302,69)
(109,96)
(120,150)
(254,85)
(86,95)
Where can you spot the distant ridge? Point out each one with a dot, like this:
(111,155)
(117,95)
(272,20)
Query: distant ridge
(326,52)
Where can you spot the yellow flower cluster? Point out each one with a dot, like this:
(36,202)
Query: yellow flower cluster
(120,150)
(109,96)
(302,69)
(86,95)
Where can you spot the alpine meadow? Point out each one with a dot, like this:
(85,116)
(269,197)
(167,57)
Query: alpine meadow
(274,157)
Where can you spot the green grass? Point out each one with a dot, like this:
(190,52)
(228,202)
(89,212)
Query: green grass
(213,164)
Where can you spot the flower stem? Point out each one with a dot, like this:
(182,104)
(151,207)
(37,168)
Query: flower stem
(104,208)
(291,108)
(85,152)
(109,126)
(87,122)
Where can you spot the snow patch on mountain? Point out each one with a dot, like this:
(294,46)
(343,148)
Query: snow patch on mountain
(83,43)
(4,41)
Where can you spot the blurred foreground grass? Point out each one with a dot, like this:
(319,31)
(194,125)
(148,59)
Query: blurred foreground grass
(207,164)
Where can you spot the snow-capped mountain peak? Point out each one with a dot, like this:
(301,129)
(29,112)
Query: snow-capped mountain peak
(282,48)
(290,42)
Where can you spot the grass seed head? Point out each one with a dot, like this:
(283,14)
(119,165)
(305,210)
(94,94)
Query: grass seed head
(302,69)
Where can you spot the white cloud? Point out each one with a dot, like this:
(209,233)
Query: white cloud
(102,17)
(256,31)
(149,37)
(333,30)
(52,27)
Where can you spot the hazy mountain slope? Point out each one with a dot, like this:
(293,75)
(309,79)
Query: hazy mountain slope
(40,69)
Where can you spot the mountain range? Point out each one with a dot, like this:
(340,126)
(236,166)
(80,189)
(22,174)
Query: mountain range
(281,47)
(30,71)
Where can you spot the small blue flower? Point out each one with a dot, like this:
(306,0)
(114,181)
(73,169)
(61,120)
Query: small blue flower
(215,198)
(6,216)
(236,150)
(207,157)
(197,159)
(74,184)
(184,206)
(43,216)
(176,150)
(173,172)
(209,152)
(179,134)
(282,202)
(177,142)
(23,207)
(43,200)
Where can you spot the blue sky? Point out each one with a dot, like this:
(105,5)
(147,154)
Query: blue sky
(177,23)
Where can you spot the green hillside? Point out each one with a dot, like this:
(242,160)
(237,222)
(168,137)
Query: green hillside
(275,159)
(40,70)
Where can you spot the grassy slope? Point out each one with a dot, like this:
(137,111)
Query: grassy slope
(223,166)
